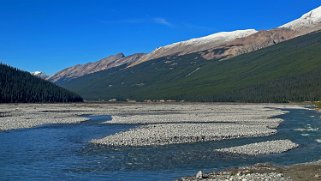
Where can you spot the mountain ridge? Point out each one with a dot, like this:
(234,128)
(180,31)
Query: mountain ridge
(288,71)
(92,67)
(195,44)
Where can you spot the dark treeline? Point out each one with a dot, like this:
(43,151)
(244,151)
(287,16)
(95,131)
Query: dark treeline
(17,86)
(295,88)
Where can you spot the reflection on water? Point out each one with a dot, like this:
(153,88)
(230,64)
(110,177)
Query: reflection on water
(62,152)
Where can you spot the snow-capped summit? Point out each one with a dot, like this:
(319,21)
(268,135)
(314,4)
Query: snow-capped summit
(36,73)
(308,21)
(39,74)
(220,37)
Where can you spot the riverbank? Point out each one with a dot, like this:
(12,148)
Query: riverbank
(23,116)
(263,172)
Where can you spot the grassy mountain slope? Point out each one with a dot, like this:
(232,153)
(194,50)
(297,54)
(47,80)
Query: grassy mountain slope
(21,87)
(289,71)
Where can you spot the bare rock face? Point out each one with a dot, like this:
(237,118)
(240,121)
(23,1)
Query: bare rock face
(103,64)
(249,44)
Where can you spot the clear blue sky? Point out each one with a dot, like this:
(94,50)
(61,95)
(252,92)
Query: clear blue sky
(49,35)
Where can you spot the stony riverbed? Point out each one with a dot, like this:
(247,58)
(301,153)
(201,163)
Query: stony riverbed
(158,124)
(174,139)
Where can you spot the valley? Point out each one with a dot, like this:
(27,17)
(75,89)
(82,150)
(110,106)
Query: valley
(209,91)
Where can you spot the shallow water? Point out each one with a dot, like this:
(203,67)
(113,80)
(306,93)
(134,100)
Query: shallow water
(62,152)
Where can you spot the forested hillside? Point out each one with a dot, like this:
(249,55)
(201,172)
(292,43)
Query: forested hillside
(21,87)
(289,71)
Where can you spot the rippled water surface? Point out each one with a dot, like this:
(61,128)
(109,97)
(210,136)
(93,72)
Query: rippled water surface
(62,152)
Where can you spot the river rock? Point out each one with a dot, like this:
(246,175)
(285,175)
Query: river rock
(199,175)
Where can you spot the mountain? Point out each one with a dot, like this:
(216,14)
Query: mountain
(181,48)
(224,45)
(17,86)
(288,71)
(230,44)
(196,45)
(221,45)
(103,64)
(249,44)
(308,23)
(246,65)
(40,74)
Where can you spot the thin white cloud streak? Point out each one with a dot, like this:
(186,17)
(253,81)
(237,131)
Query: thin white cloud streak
(162,21)
(157,20)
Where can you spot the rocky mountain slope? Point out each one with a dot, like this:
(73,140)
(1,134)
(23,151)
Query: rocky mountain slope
(196,45)
(103,64)
(249,44)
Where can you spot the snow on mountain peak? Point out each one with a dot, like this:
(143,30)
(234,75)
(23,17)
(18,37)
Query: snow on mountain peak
(36,73)
(213,39)
(196,44)
(39,74)
(220,37)
(310,19)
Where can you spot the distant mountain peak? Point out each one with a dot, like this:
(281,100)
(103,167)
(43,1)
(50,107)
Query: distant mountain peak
(116,56)
(103,64)
(39,74)
(36,73)
(310,20)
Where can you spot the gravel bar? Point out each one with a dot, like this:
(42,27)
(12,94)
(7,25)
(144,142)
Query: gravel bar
(262,148)
(189,123)
(162,134)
